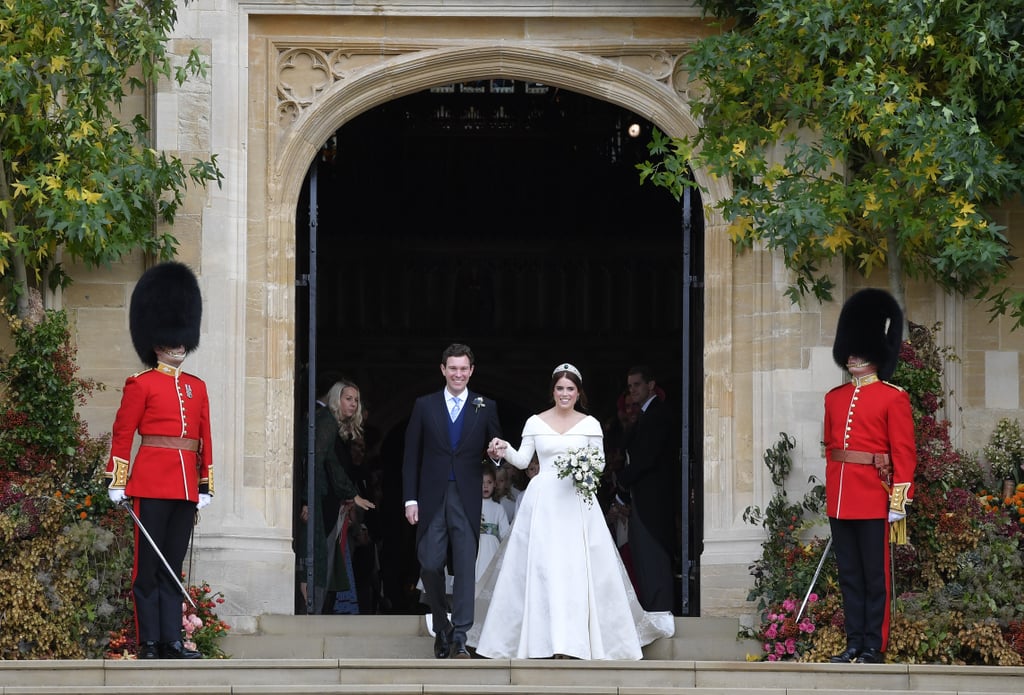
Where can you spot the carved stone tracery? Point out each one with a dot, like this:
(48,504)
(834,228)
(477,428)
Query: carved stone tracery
(306,73)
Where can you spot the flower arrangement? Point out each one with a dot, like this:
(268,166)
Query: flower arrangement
(1005,450)
(201,628)
(784,637)
(190,622)
(478,403)
(583,466)
(1012,506)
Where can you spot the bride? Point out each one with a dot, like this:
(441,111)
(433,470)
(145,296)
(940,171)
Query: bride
(557,586)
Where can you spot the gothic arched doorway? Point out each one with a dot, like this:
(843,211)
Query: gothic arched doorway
(507,215)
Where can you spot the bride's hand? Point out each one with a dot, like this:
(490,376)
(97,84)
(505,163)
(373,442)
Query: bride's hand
(496,449)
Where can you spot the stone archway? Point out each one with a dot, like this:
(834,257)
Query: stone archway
(317,84)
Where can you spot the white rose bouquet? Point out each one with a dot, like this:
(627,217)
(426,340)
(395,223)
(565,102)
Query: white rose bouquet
(583,466)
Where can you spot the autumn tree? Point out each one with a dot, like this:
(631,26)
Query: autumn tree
(76,180)
(878,131)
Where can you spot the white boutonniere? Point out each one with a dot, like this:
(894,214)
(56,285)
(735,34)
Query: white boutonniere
(478,403)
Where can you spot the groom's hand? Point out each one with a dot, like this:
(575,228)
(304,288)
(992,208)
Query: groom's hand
(496,448)
(412,513)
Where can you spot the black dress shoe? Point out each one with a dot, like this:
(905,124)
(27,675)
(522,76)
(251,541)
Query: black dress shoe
(149,650)
(443,644)
(177,650)
(459,650)
(871,656)
(847,657)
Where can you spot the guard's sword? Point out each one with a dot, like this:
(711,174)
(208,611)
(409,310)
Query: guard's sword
(821,563)
(135,517)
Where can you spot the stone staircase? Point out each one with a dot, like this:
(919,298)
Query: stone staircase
(391,655)
(405,636)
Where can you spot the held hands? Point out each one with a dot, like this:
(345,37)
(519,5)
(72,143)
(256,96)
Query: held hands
(497,448)
(204,500)
(116,494)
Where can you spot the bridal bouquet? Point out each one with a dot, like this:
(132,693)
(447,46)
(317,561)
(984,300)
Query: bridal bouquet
(583,466)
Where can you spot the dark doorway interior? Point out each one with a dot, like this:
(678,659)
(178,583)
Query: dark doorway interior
(508,216)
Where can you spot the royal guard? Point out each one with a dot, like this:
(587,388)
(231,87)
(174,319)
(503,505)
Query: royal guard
(172,474)
(871,457)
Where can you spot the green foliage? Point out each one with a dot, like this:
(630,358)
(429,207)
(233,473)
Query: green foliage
(919,370)
(38,422)
(74,178)
(65,563)
(867,130)
(786,565)
(919,373)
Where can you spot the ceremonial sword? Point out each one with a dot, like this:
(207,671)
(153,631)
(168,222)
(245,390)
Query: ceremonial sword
(135,517)
(821,563)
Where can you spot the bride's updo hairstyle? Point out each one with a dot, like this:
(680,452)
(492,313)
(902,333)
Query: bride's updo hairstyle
(569,372)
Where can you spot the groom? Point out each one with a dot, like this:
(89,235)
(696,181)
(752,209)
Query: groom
(447,435)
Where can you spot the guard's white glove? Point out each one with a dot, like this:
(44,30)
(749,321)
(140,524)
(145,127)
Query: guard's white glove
(116,494)
(204,500)
(896,516)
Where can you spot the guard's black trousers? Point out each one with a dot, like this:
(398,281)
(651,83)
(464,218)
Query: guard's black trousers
(862,554)
(158,596)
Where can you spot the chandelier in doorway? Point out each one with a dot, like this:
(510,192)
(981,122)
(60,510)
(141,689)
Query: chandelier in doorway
(488,106)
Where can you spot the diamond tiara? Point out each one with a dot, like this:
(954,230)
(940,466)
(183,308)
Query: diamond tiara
(566,367)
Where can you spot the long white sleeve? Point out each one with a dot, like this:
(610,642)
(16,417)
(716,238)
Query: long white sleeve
(521,458)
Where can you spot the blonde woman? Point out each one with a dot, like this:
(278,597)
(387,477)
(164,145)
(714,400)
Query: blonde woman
(338,427)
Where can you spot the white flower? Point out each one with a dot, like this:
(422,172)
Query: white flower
(478,403)
(1005,450)
(583,467)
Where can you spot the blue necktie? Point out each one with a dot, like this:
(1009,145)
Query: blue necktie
(455,408)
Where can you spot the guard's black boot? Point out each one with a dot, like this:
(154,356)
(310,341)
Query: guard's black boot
(871,656)
(847,657)
(177,650)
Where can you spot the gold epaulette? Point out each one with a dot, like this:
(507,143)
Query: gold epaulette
(898,388)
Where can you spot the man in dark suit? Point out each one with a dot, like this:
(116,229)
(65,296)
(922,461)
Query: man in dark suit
(447,436)
(652,457)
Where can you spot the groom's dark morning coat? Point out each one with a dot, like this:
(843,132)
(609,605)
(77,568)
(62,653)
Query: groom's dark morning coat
(430,458)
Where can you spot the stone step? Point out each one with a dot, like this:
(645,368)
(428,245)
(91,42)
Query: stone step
(551,677)
(321,655)
(406,636)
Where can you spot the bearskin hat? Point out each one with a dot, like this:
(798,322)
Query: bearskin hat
(166,309)
(870,326)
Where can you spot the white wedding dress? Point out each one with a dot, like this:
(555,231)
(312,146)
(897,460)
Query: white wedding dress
(557,584)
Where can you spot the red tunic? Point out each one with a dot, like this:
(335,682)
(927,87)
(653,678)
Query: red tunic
(877,419)
(163,401)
